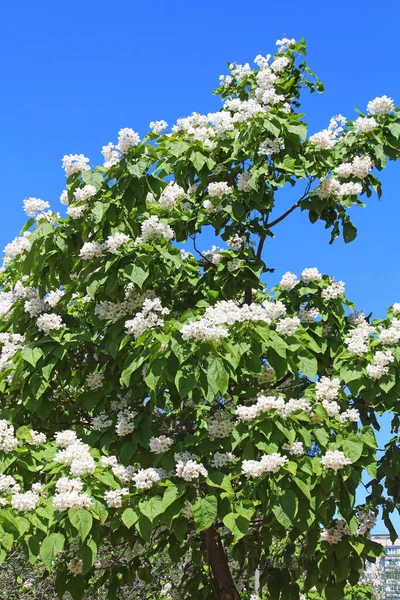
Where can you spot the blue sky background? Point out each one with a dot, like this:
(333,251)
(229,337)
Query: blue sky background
(73,74)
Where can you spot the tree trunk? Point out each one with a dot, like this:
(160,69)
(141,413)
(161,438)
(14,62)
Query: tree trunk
(224,584)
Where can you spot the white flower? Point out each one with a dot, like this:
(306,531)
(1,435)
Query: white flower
(365,124)
(271,146)
(113,498)
(160,444)
(32,206)
(158,126)
(218,189)
(127,138)
(91,250)
(269,463)
(146,478)
(111,155)
(327,389)
(114,242)
(76,212)
(310,274)
(296,448)
(351,414)
(149,317)
(243,182)
(280,64)
(24,501)
(171,194)
(65,438)
(37,438)
(75,163)
(152,229)
(54,297)
(380,106)
(220,426)
(380,367)
(77,457)
(49,322)
(335,534)
(284,44)
(222,459)
(190,470)
(334,291)
(94,381)
(288,326)
(82,194)
(18,246)
(288,281)
(64,198)
(335,459)
(125,424)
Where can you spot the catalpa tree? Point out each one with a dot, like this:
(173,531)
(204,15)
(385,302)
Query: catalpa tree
(168,425)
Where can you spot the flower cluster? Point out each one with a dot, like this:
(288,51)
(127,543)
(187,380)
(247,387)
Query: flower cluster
(18,246)
(358,168)
(380,106)
(390,336)
(269,463)
(358,338)
(333,291)
(220,459)
(335,459)
(94,381)
(288,281)
(75,454)
(332,187)
(144,479)
(48,322)
(32,206)
(75,163)
(113,498)
(24,501)
(149,317)
(69,494)
(271,146)
(187,468)
(8,442)
(170,195)
(335,534)
(220,426)
(152,229)
(160,444)
(218,189)
(327,138)
(267,403)
(380,366)
(127,138)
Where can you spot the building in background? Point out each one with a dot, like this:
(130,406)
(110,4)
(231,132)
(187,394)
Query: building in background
(384,574)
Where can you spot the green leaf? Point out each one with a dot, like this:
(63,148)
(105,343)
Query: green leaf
(307,364)
(205,512)
(349,232)
(152,508)
(353,447)
(136,274)
(286,508)
(129,517)
(51,546)
(394,129)
(93,178)
(32,355)
(238,524)
(217,375)
(82,520)
(220,480)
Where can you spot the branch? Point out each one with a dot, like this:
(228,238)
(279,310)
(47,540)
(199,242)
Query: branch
(193,238)
(296,205)
(286,214)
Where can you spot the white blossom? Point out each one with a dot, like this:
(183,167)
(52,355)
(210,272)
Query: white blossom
(380,106)
(113,498)
(158,126)
(335,459)
(75,163)
(218,189)
(269,463)
(310,274)
(24,501)
(160,444)
(32,206)
(288,326)
(288,281)
(365,124)
(49,322)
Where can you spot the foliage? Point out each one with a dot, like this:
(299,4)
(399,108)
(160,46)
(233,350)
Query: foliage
(192,418)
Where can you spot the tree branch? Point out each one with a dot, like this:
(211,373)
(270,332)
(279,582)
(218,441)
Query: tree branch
(286,214)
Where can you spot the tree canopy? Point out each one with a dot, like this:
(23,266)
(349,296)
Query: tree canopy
(168,424)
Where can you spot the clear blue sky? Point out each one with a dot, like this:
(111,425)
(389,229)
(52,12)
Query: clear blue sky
(73,74)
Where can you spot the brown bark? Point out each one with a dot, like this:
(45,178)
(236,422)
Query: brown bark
(224,585)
